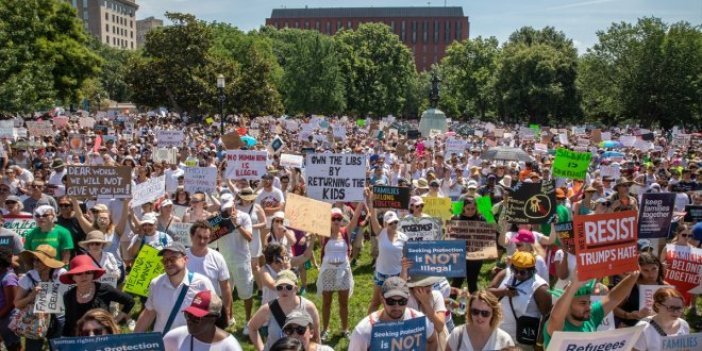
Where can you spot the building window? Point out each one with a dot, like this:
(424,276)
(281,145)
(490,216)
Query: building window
(458,30)
(447,32)
(107,16)
(392,26)
(328,27)
(436,32)
(338,26)
(107,27)
(286,25)
(107,39)
(297,24)
(132,45)
(348,24)
(402,32)
(131,34)
(425,34)
(414,32)
(307,25)
(316,25)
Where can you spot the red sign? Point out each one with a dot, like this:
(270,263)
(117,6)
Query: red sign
(684,264)
(605,244)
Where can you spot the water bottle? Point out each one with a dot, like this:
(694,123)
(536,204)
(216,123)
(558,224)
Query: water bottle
(462,303)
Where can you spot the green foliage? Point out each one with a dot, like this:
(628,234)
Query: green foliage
(377,69)
(44,58)
(648,71)
(111,83)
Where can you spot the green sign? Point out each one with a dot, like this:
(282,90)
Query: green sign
(457,207)
(536,128)
(147,266)
(571,164)
(484,204)
(361,123)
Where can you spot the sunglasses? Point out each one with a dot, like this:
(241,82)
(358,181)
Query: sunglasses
(65,205)
(42,216)
(478,312)
(393,302)
(296,329)
(10,202)
(673,309)
(96,331)
(37,186)
(685,235)
(95,244)
(520,271)
(418,206)
(196,320)
(287,287)
(337,219)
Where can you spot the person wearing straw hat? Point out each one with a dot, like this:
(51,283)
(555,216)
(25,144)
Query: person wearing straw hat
(424,298)
(44,267)
(621,200)
(88,293)
(95,247)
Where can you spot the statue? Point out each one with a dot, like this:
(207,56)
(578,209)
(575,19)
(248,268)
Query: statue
(434,93)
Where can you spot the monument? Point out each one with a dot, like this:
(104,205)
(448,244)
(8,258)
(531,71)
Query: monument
(433,118)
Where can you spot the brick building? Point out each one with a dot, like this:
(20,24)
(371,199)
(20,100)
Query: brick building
(144,26)
(426,31)
(113,22)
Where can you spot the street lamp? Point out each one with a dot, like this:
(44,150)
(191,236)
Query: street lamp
(220,86)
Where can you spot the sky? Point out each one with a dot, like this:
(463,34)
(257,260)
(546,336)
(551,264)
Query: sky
(578,19)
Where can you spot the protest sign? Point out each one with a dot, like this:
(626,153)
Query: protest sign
(413,134)
(20,224)
(608,321)
(336,177)
(86,182)
(438,207)
(627,140)
(540,148)
(655,215)
(232,141)
(391,197)
(596,135)
(421,228)
(170,138)
(165,154)
(612,340)
(563,138)
(76,142)
(531,203)
(565,233)
(455,146)
(246,164)
(683,267)
(129,341)
(86,122)
(308,215)
(275,145)
(339,132)
(571,164)
(221,226)
(479,238)
(146,267)
(7,129)
(50,298)
(443,258)
(60,121)
(289,160)
(202,179)
(484,204)
(149,191)
(646,293)
(408,334)
(693,213)
(499,133)
(610,171)
(180,232)
(689,342)
(40,128)
(605,244)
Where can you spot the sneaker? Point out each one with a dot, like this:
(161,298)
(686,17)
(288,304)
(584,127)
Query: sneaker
(246,330)
(325,336)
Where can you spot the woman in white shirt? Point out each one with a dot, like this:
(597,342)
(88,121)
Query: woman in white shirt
(669,305)
(480,331)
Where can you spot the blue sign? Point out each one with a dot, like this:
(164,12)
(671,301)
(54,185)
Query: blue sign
(410,334)
(443,258)
(138,341)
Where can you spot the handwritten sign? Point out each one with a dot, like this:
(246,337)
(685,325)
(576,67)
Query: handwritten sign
(50,298)
(605,244)
(438,207)
(149,191)
(180,232)
(165,154)
(138,341)
(531,203)
(421,228)
(308,215)
(202,179)
(616,340)
(40,128)
(479,238)
(336,177)
(571,164)
(610,171)
(246,164)
(655,215)
(445,258)
(221,226)
(391,197)
(409,334)
(170,138)
(683,264)
(293,161)
(89,182)
(146,267)
(20,224)
(566,235)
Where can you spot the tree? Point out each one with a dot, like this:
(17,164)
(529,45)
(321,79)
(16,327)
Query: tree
(536,76)
(43,58)
(468,71)
(112,82)
(377,69)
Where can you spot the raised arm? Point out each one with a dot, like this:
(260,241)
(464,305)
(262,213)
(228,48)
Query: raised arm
(354,220)
(122,222)
(84,223)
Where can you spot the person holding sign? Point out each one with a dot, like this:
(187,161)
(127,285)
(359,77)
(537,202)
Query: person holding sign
(146,234)
(395,293)
(88,293)
(45,268)
(102,222)
(573,311)
(8,286)
(481,331)
(94,246)
(473,267)
(651,273)
(669,306)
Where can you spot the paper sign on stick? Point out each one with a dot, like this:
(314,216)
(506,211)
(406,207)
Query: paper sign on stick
(531,203)
(606,244)
(479,238)
(484,204)
(170,138)
(181,233)
(308,214)
(289,160)
(444,258)
(336,177)
(147,266)
(40,128)
(167,154)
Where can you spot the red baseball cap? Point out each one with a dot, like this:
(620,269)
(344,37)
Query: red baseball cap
(205,303)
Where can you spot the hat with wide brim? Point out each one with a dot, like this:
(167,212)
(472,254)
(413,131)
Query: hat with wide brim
(79,265)
(420,183)
(419,281)
(95,236)
(247,194)
(44,253)
(622,181)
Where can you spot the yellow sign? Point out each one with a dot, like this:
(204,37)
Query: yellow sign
(308,215)
(146,267)
(438,207)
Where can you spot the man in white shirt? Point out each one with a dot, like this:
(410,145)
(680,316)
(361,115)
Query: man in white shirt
(210,263)
(165,290)
(395,298)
